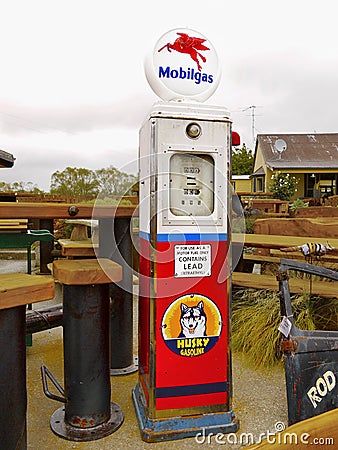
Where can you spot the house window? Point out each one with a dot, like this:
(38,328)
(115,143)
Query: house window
(310,181)
(320,184)
(259,184)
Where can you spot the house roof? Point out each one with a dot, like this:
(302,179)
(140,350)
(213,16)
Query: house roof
(306,151)
(6,159)
(241,177)
(259,171)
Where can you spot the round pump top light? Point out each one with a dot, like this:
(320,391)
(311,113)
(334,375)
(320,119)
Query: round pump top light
(183,66)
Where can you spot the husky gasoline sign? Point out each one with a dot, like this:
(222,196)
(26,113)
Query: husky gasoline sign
(184,64)
(191,325)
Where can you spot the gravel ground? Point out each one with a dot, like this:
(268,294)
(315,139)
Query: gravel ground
(259,402)
(14,265)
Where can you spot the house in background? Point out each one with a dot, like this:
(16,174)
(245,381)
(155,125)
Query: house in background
(311,158)
(241,183)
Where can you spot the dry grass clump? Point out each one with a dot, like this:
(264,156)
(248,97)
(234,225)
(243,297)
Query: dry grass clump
(325,313)
(256,318)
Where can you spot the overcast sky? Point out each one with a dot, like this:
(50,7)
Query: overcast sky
(73,90)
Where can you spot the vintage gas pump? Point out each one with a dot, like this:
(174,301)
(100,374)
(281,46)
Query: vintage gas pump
(184,382)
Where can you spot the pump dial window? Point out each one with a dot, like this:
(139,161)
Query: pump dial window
(191,184)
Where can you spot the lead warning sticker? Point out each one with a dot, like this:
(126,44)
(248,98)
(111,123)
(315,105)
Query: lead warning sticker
(191,325)
(192,260)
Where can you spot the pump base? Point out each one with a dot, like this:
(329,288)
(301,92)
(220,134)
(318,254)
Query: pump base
(71,433)
(126,370)
(157,430)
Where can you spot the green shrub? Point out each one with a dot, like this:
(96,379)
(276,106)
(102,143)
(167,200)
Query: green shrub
(298,204)
(283,186)
(250,224)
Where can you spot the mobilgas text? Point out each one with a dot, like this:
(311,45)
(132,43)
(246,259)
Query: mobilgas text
(189,74)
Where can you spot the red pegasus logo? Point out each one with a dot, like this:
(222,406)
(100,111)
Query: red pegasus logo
(190,45)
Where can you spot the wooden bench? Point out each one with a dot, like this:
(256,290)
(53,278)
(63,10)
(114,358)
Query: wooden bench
(87,271)
(80,228)
(271,205)
(267,248)
(18,236)
(297,285)
(13,225)
(322,428)
(81,249)
(319,228)
(317,211)
(110,218)
(276,256)
(24,239)
(16,289)
(270,241)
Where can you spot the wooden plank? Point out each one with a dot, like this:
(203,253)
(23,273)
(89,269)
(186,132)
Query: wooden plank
(20,289)
(266,259)
(79,233)
(13,225)
(277,241)
(87,271)
(252,280)
(13,222)
(297,285)
(330,257)
(317,211)
(317,429)
(277,214)
(254,194)
(10,210)
(87,222)
(84,248)
(274,258)
(325,229)
(13,228)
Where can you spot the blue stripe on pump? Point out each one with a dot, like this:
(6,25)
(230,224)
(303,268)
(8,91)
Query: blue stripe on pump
(196,389)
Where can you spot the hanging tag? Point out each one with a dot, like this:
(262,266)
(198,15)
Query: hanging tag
(285,326)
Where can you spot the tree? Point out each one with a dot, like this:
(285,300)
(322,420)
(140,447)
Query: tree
(113,182)
(91,183)
(20,186)
(5,187)
(242,161)
(283,186)
(74,181)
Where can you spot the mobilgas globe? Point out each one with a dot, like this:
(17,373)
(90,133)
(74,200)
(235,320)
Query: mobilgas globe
(189,74)
(183,65)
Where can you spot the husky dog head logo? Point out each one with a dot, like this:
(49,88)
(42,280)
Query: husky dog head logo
(193,320)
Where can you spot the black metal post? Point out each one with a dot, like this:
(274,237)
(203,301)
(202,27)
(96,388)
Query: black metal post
(86,333)
(46,248)
(88,413)
(13,394)
(115,243)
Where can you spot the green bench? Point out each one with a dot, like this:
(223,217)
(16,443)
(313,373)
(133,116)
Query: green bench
(18,239)
(16,236)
